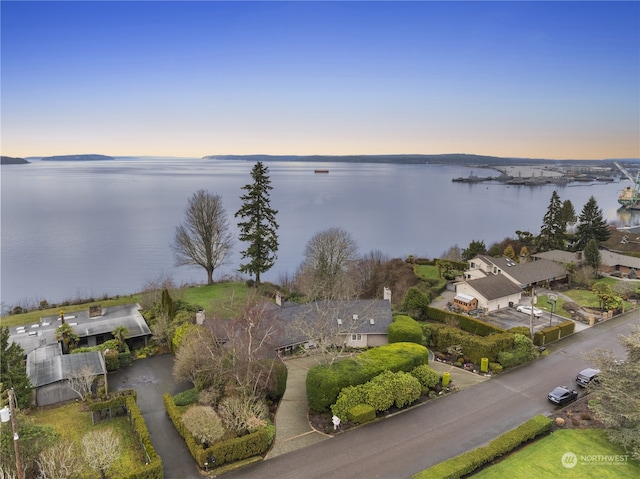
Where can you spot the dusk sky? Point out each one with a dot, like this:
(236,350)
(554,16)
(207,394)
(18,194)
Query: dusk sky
(536,79)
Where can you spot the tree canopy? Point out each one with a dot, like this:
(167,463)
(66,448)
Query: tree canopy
(259,228)
(591,225)
(203,239)
(13,371)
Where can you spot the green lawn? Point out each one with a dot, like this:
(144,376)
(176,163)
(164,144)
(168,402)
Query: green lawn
(544,458)
(71,422)
(220,300)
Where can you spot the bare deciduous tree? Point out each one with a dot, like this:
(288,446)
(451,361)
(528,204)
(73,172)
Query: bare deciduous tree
(59,462)
(328,259)
(328,325)
(81,381)
(101,450)
(203,239)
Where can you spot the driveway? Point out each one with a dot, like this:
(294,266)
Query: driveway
(151,378)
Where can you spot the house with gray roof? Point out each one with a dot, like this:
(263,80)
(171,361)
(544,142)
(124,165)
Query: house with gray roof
(355,323)
(93,327)
(610,262)
(525,275)
(49,371)
(493,292)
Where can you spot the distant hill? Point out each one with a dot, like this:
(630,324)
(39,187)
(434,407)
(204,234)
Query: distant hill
(444,159)
(78,158)
(8,160)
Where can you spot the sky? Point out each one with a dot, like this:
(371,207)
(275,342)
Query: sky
(540,79)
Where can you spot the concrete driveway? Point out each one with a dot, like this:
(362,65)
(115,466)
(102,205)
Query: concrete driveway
(151,378)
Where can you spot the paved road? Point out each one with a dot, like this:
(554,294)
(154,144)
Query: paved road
(412,441)
(152,378)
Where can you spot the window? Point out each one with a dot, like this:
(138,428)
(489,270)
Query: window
(356,337)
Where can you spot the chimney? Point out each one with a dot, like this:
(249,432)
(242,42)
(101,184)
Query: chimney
(387,294)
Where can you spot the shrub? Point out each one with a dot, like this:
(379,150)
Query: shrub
(361,413)
(325,382)
(466,323)
(243,415)
(405,329)
(185,398)
(495,368)
(204,424)
(348,398)
(416,303)
(521,353)
(426,376)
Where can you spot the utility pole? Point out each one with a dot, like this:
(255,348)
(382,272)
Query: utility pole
(533,293)
(14,427)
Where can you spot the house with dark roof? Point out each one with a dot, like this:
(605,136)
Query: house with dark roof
(49,371)
(493,291)
(354,323)
(610,262)
(92,327)
(525,275)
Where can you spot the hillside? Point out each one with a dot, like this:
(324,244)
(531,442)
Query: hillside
(78,158)
(8,160)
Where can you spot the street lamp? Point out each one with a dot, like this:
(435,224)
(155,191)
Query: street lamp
(9,413)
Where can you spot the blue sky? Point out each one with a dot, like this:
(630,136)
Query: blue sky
(517,79)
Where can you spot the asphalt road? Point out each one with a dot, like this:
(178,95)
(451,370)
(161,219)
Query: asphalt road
(409,442)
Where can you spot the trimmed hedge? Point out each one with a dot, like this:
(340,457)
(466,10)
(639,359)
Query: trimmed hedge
(324,382)
(462,321)
(553,333)
(224,452)
(361,413)
(474,347)
(405,329)
(470,461)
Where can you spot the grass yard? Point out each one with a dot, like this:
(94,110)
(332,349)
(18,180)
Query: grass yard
(220,300)
(71,422)
(544,458)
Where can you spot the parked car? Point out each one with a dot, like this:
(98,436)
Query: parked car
(585,376)
(562,395)
(527,310)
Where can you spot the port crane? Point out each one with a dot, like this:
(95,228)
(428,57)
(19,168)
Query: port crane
(630,196)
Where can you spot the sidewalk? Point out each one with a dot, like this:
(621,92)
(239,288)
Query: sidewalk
(293,430)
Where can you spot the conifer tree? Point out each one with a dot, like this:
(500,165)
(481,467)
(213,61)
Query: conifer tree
(553,228)
(591,225)
(13,370)
(259,228)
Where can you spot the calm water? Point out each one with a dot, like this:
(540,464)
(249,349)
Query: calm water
(74,230)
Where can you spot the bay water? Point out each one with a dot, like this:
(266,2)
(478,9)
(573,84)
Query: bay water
(74,230)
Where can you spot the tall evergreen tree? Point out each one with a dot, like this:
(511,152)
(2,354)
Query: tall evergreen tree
(259,228)
(591,225)
(475,248)
(553,228)
(13,370)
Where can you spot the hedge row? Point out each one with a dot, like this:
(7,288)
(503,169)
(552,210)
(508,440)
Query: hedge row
(223,452)
(474,347)
(467,323)
(553,333)
(405,329)
(324,382)
(470,461)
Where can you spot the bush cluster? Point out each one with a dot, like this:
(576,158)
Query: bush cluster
(428,377)
(468,462)
(383,391)
(324,382)
(521,353)
(405,329)
(442,337)
(224,452)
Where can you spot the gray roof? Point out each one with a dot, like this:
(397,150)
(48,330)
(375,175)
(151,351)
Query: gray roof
(528,273)
(607,258)
(494,286)
(48,365)
(43,333)
(361,316)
